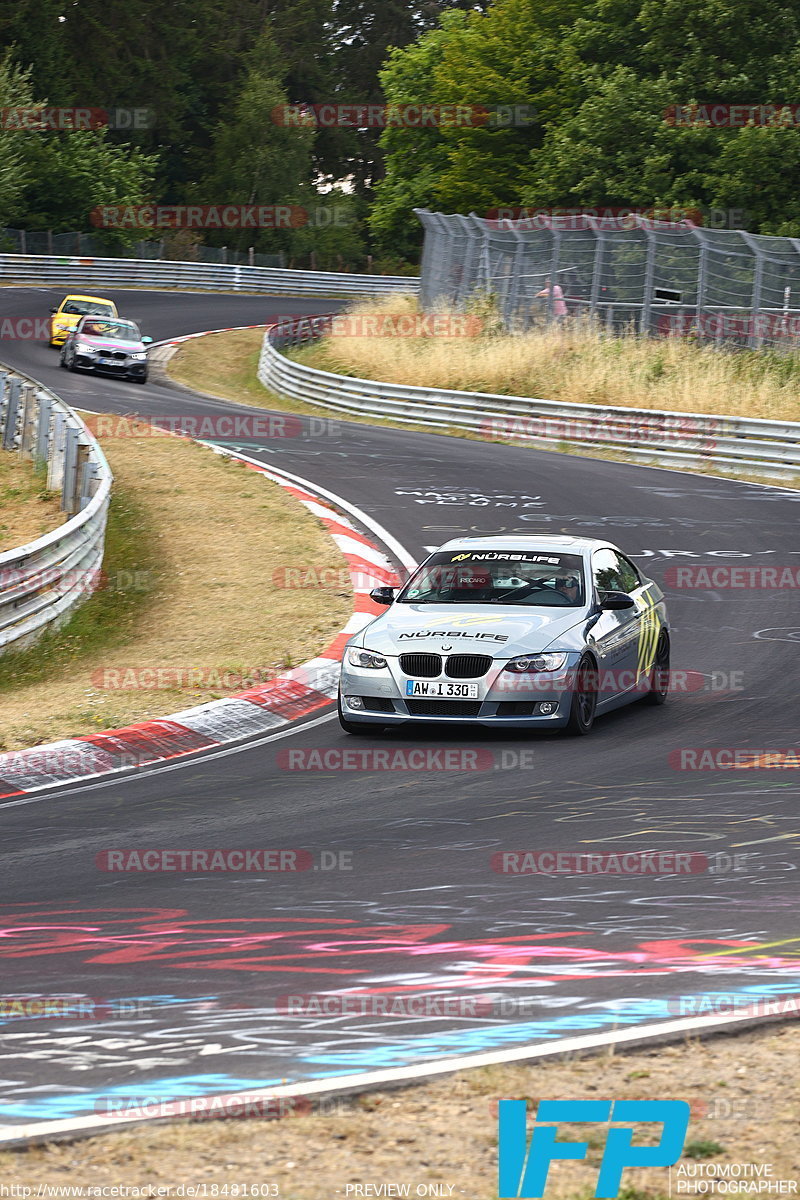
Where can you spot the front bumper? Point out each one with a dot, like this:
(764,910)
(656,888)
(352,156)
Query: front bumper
(504,699)
(124,368)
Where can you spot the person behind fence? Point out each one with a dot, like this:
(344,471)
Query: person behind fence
(559,303)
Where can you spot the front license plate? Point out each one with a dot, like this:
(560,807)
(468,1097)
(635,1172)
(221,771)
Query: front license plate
(107,362)
(442,691)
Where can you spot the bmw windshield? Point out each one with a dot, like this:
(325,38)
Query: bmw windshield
(549,579)
(118,331)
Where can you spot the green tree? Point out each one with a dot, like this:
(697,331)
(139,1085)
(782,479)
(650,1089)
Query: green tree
(15,91)
(70,174)
(510,57)
(256,158)
(633,60)
(415,159)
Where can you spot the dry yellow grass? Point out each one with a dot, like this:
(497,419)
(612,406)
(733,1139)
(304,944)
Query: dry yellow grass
(226,364)
(574,363)
(27,509)
(220,531)
(745,1099)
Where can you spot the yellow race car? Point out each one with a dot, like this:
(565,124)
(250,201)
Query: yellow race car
(69,312)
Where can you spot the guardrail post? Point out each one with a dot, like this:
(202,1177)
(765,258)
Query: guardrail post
(81,462)
(12,410)
(55,469)
(70,475)
(42,451)
(28,425)
(90,477)
(3,404)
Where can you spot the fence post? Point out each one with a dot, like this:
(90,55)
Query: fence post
(702,283)
(649,275)
(517,274)
(755,338)
(597,266)
(556,236)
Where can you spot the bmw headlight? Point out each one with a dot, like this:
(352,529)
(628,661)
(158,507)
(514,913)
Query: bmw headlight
(82,348)
(138,355)
(537,662)
(365,658)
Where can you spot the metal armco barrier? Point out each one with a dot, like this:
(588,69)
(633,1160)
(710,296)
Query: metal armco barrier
(41,583)
(100,273)
(744,444)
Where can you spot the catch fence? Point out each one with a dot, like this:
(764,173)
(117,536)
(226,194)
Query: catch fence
(667,278)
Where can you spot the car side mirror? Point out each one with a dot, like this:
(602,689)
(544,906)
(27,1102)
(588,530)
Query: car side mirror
(382,595)
(146,341)
(54,309)
(611,601)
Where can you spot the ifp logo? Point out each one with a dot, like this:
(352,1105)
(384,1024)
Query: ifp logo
(523,1169)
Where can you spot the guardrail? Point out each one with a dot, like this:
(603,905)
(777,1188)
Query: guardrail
(41,582)
(737,444)
(102,273)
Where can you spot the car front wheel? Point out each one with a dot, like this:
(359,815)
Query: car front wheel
(659,674)
(584,699)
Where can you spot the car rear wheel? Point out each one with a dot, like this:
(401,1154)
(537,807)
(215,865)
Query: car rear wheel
(659,675)
(584,699)
(354,727)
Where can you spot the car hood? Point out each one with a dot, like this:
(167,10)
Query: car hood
(101,343)
(483,629)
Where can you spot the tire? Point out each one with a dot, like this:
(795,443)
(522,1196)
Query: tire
(71,365)
(61,363)
(584,700)
(659,673)
(354,727)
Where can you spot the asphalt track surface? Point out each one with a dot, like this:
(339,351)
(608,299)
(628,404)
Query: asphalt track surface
(202,961)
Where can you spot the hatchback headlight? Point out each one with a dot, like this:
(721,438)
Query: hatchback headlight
(537,662)
(365,658)
(138,354)
(82,348)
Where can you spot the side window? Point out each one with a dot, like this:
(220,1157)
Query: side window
(606,570)
(613,572)
(630,575)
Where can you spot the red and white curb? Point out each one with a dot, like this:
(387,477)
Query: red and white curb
(269,706)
